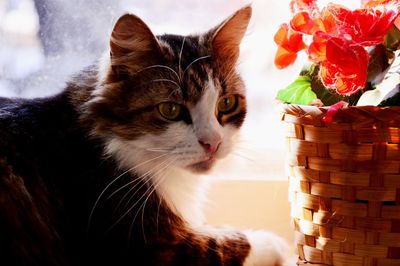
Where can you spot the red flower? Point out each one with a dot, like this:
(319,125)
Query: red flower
(340,39)
(375,3)
(289,44)
(302,22)
(303,5)
(308,23)
(367,26)
(372,3)
(328,22)
(317,49)
(345,67)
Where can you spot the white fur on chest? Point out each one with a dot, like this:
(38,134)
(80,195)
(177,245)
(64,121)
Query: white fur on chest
(185,194)
(183,191)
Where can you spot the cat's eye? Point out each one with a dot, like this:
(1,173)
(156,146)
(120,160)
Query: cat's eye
(227,104)
(170,110)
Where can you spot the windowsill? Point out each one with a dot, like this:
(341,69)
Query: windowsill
(251,204)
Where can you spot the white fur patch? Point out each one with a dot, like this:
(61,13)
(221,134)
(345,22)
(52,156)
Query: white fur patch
(184,193)
(267,249)
(205,123)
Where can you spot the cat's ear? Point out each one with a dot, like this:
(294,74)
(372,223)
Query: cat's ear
(228,35)
(132,44)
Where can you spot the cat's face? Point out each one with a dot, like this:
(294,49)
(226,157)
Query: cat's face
(171,101)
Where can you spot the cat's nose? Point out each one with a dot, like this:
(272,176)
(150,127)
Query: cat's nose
(210,145)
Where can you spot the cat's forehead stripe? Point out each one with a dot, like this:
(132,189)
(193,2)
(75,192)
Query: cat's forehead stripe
(190,59)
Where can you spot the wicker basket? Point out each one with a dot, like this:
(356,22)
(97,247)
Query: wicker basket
(345,185)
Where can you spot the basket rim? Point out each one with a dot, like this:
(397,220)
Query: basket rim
(352,114)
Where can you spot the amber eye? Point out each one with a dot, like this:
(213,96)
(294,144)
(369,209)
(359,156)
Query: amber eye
(227,104)
(170,110)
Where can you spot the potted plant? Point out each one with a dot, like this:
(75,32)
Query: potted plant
(343,131)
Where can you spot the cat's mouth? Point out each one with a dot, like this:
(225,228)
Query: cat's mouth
(203,166)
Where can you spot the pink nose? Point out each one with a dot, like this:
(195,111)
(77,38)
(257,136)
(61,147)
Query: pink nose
(210,146)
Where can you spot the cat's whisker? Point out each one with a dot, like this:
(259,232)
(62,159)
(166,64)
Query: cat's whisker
(167,80)
(194,61)
(248,144)
(143,176)
(133,206)
(176,91)
(150,172)
(129,210)
(247,149)
(159,149)
(160,200)
(113,181)
(101,194)
(241,156)
(162,166)
(122,187)
(131,182)
(160,66)
(161,180)
(180,59)
(117,207)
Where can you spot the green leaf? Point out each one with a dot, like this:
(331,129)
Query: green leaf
(298,92)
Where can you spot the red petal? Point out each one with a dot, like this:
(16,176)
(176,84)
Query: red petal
(303,23)
(366,26)
(339,12)
(345,84)
(295,42)
(346,56)
(303,5)
(289,39)
(284,58)
(317,49)
(332,111)
(345,68)
(280,36)
(329,22)
(372,3)
(373,25)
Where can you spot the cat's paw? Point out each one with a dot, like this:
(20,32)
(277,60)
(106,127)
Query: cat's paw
(267,249)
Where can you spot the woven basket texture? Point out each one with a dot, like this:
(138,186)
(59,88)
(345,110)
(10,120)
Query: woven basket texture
(344,184)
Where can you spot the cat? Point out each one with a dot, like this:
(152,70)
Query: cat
(109,171)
